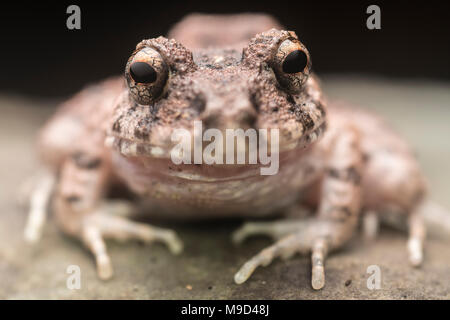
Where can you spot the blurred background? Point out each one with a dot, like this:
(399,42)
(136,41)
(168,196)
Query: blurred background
(41,57)
(401,72)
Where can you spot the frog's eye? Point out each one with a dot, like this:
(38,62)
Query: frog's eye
(291,65)
(142,72)
(146,73)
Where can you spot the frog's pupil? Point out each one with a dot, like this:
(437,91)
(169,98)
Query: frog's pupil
(142,72)
(295,62)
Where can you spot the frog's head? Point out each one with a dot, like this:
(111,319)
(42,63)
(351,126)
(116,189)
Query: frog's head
(268,84)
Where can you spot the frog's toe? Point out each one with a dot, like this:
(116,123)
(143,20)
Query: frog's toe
(273,229)
(37,195)
(370,224)
(169,237)
(93,240)
(247,230)
(416,238)
(104,267)
(415,252)
(121,208)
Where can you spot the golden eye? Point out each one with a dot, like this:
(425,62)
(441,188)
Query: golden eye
(291,65)
(146,74)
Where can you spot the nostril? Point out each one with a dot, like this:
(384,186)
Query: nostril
(243,119)
(198,104)
(248,118)
(211,121)
(227,110)
(254,101)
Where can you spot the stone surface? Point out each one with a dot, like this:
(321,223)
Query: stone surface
(420,110)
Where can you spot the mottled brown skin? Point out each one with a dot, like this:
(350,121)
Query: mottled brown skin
(337,160)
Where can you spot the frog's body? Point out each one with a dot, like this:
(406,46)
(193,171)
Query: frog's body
(337,160)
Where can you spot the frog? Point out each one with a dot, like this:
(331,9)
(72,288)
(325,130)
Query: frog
(342,164)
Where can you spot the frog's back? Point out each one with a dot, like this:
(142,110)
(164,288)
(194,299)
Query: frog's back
(198,31)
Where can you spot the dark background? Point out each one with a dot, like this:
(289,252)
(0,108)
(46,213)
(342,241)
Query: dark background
(41,57)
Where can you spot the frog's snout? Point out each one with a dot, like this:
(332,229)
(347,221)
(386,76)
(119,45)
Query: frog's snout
(235,111)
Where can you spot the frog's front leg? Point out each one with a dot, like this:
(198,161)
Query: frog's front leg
(336,221)
(82,211)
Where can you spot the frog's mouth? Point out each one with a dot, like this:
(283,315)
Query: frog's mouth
(131,148)
(145,158)
(145,167)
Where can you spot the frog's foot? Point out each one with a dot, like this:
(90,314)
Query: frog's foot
(302,237)
(101,225)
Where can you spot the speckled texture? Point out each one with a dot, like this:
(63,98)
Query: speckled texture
(209,260)
(224,88)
